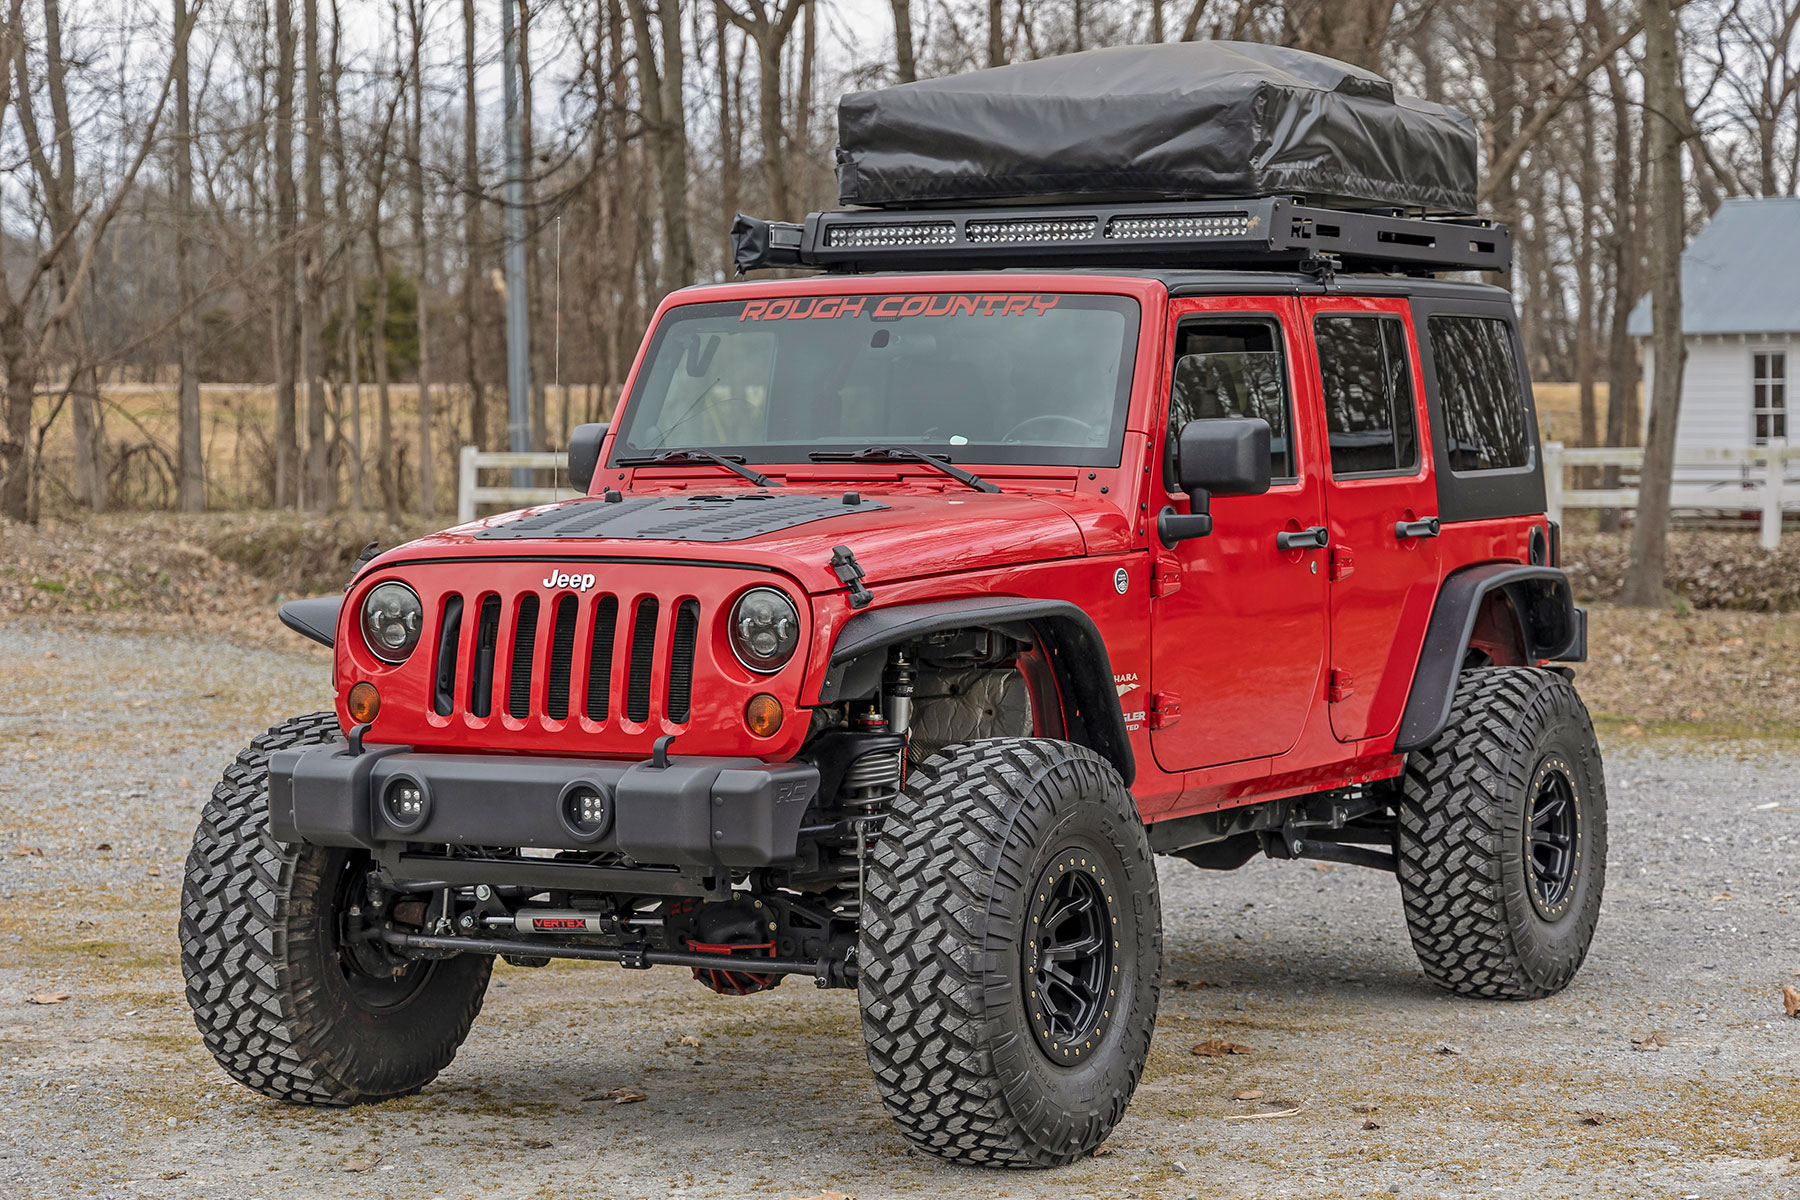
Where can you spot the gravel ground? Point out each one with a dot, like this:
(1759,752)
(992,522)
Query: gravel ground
(109,741)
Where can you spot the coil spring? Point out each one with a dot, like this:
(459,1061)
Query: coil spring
(877,774)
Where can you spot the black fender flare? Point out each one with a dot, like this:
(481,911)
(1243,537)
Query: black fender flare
(1555,629)
(316,618)
(1076,650)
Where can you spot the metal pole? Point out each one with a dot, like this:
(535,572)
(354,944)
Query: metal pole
(518,314)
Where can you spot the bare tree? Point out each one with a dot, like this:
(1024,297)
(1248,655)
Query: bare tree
(32,315)
(661,90)
(471,249)
(1666,118)
(192,486)
(415,178)
(769,24)
(286,311)
(905,65)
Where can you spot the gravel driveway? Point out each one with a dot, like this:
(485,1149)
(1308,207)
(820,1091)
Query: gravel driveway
(108,742)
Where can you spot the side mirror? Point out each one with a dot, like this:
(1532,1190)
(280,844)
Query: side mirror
(584,453)
(1221,456)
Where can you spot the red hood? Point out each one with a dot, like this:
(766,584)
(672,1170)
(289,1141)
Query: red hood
(919,530)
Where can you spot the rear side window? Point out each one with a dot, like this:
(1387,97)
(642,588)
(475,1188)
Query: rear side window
(1484,405)
(1232,369)
(1369,412)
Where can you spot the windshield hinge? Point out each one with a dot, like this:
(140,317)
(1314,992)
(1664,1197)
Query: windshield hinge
(850,573)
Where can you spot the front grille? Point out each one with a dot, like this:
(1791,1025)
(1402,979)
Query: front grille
(681,659)
(562,657)
(582,628)
(518,699)
(643,647)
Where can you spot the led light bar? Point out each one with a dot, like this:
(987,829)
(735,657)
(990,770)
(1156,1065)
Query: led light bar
(1168,226)
(1023,232)
(904,233)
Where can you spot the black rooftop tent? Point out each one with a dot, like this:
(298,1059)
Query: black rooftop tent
(1174,121)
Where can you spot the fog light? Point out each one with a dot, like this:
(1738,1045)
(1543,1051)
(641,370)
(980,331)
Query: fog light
(405,804)
(364,703)
(585,810)
(763,715)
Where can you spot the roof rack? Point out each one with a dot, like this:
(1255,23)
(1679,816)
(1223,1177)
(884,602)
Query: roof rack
(1267,233)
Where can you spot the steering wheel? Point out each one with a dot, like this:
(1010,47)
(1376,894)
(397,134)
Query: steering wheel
(1085,431)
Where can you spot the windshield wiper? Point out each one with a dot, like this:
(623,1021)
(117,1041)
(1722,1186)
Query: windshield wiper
(937,462)
(729,462)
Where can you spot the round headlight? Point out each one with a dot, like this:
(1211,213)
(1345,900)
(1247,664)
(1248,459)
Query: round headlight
(765,629)
(391,619)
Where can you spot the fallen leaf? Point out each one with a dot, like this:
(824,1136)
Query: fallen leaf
(535,1144)
(1219,1048)
(1324,866)
(26,851)
(1632,731)
(1722,896)
(1191,985)
(1592,1116)
(691,1040)
(1250,1094)
(1790,999)
(1371,1125)
(1655,1040)
(360,1162)
(1365,1106)
(171,1174)
(103,846)
(154,871)
(1447,1048)
(1103,1149)
(47,998)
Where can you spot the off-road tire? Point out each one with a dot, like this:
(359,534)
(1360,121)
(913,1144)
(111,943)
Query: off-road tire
(1465,804)
(264,980)
(944,984)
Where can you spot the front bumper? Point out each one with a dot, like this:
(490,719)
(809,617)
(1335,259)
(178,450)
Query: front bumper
(691,814)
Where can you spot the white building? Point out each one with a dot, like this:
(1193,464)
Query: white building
(1740,316)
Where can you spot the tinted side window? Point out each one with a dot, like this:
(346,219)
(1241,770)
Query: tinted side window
(1484,405)
(1369,412)
(1232,369)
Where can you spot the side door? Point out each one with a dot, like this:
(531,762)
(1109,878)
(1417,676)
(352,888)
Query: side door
(1239,644)
(1380,506)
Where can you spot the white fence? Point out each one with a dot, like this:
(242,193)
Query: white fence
(1762,488)
(470,493)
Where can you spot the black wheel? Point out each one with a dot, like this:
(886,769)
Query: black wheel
(1502,837)
(1011,953)
(289,999)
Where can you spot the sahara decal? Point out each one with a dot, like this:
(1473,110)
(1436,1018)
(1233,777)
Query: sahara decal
(892,308)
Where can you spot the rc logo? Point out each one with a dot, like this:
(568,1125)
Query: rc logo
(559,579)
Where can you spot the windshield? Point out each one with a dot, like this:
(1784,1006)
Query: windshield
(981,377)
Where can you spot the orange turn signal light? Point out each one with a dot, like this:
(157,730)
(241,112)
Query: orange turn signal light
(364,703)
(763,715)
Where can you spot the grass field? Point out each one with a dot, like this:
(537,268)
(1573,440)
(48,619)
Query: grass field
(237,441)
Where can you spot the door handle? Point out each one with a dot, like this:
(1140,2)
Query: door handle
(1426,528)
(1314,538)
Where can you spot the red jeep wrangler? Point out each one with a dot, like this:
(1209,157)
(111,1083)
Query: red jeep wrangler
(911,609)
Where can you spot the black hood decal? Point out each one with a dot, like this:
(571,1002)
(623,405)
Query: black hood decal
(704,518)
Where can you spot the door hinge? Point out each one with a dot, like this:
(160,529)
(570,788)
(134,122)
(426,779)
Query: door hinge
(1339,685)
(1165,577)
(1343,564)
(1165,710)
